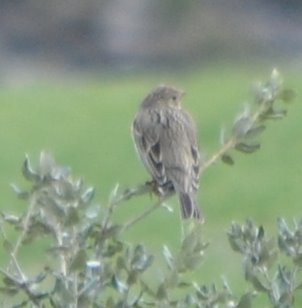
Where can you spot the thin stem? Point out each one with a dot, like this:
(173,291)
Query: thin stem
(146,213)
(63,257)
(215,157)
(255,118)
(126,195)
(75,289)
(14,252)
(131,192)
(141,216)
(26,222)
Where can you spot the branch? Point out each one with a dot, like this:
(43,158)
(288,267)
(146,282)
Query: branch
(249,125)
(222,151)
(25,226)
(146,213)
(23,285)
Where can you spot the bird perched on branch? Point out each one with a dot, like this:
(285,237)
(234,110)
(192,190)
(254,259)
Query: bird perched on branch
(166,141)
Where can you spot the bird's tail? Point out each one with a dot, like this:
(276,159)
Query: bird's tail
(189,207)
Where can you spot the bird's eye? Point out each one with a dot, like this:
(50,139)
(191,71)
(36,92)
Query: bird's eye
(174,98)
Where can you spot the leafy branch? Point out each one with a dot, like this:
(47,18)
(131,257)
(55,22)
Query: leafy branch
(261,262)
(250,124)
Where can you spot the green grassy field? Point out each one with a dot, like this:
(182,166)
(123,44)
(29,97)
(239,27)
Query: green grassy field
(86,125)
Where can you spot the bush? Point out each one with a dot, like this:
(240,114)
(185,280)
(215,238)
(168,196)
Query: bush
(91,266)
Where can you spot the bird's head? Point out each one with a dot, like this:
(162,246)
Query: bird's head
(163,95)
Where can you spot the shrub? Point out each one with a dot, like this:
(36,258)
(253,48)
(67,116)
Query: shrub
(91,266)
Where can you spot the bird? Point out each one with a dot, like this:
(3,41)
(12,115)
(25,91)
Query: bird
(165,137)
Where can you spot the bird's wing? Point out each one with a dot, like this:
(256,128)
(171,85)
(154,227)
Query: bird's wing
(146,132)
(191,132)
(180,151)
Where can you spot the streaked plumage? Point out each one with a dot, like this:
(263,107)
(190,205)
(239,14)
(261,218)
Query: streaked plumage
(166,140)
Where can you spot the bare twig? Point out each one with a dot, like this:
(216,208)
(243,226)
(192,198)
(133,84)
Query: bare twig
(133,192)
(126,195)
(146,213)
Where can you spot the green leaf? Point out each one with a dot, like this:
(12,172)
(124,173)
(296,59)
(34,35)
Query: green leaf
(72,216)
(184,284)
(11,219)
(283,228)
(235,244)
(247,148)
(275,115)
(227,159)
(113,194)
(269,253)
(141,260)
(189,242)
(259,285)
(92,211)
(242,124)
(78,263)
(113,248)
(47,164)
(255,131)
(245,301)
(119,285)
(132,277)
(172,280)
(190,300)
(193,260)
(28,171)
(260,234)
(298,259)
(121,263)
(88,195)
(161,293)
(21,194)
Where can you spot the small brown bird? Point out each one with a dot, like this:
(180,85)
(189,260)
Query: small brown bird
(166,140)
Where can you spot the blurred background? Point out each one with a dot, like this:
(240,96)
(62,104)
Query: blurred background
(73,72)
(55,37)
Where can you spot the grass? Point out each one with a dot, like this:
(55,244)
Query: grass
(86,125)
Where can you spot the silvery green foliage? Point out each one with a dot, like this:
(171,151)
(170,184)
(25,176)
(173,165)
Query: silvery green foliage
(262,264)
(89,258)
(251,123)
(91,265)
